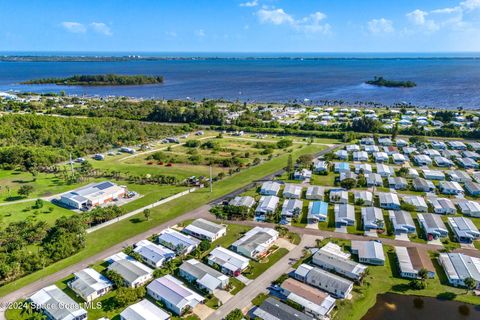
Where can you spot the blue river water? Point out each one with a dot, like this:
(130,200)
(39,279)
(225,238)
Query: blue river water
(446,81)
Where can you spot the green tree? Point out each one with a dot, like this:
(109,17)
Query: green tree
(348,183)
(305,160)
(407,207)
(423,274)
(128,296)
(289,167)
(417,284)
(116,279)
(25,190)
(38,204)
(284,143)
(147,213)
(470,283)
(235,314)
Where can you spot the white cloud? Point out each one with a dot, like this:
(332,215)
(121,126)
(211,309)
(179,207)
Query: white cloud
(419,18)
(274,16)
(313,23)
(381,25)
(455,18)
(446,10)
(74,27)
(252,3)
(200,33)
(101,28)
(470,5)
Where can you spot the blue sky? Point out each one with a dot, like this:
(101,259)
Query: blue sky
(241,25)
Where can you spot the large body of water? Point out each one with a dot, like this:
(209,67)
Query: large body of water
(403,307)
(446,81)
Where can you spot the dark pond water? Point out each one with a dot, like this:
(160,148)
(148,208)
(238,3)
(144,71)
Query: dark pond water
(402,307)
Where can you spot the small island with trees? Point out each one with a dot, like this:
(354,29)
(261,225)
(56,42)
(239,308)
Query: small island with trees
(100,80)
(382,82)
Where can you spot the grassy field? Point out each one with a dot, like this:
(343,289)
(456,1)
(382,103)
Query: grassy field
(321,180)
(23,211)
(118,232)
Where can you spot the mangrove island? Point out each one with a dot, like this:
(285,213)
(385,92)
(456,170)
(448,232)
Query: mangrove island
(100,80)
(382,82)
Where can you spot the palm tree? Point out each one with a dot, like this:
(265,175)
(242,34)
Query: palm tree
(470,283)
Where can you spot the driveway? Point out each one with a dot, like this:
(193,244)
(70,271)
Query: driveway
(202,311)
(223,295)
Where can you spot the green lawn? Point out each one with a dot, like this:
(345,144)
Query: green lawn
(258,300)
(328,225)
(237,285)
(24,211)
(321,180)
(258,267)
(118,232)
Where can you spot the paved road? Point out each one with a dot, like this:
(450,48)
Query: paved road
(201,212)
(387,241)
(242,299)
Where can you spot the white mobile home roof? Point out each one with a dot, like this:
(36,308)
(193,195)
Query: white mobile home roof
(57,304)
(388,198)
(463,227)
(144,310)
(153,252)
(442,205)
(174,291)
(315,192)
(432,223)
(203,274)
(292,191)
(267,203)
(270,187)
(176,238)
(130,270)
(469,207)
(206,228)
(344,212)
(88,281)
(370,216)
(228,259)
(460,266)
(246,201)
(369,249)
(416,201)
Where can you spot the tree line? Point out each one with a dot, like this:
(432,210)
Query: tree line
(36,141)
(99,80)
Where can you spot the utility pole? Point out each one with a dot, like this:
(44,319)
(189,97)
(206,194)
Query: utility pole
(211,180)
(71,163)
